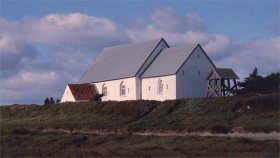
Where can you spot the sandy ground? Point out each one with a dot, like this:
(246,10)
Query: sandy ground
(254,136)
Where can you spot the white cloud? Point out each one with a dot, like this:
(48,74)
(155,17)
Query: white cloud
(31,86)
(67,35)
(14,53)
(27,80)
(179,29)
(55,28)
(217,45)
(169,20)
(264,54)
(5,45)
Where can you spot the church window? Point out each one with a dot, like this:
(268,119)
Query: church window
(160,86)
(104,90)
(122,89)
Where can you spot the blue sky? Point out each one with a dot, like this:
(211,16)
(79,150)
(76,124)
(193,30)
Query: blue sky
(46,44)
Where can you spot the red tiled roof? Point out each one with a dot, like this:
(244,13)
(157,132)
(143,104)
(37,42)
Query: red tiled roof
(82,91)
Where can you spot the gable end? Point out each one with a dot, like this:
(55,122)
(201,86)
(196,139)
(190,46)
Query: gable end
(198,46)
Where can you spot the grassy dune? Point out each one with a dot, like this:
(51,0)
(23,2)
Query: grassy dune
(250,114)
(256,113)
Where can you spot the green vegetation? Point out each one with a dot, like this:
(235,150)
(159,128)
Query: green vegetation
(37,144)
(255,83)
(255,113)
(22,134)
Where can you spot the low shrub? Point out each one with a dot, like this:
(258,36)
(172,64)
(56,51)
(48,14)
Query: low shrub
(21,131)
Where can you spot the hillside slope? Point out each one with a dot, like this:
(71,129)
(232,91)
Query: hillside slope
(254,114)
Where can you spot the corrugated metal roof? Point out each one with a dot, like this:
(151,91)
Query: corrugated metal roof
(119,61)
(169,61)
(222,73)
(82,91)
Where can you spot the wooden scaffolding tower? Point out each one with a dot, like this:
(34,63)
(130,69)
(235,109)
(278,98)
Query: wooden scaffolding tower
(221,82)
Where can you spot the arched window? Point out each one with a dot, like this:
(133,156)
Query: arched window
(122,89)
(160,86)
(104,90)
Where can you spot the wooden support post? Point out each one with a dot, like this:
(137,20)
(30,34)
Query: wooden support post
(223,87)
(229,88)
(235,86)
(220,87)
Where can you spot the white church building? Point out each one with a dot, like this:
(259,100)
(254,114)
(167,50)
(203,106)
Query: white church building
(149,70)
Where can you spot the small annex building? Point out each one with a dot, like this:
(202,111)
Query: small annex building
(78,92)
(149,70)
(221,82)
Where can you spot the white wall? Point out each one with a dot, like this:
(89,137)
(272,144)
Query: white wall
(193,83)
(113,89)
(67,95)
(152,94)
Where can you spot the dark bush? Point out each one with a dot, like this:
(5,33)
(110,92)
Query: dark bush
(219,129)
(21,131)
(97,98)
(263,103)
(258,84)
(236,107)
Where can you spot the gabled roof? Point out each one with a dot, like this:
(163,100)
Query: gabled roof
(169,61)
(82,91)
(119,61)
(222,73)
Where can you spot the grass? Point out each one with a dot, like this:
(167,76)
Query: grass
(255,114)
(53,144)
(252,114)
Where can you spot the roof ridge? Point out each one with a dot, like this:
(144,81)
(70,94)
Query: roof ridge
(129,44)
(222,68)
(185,45)
(79,84)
